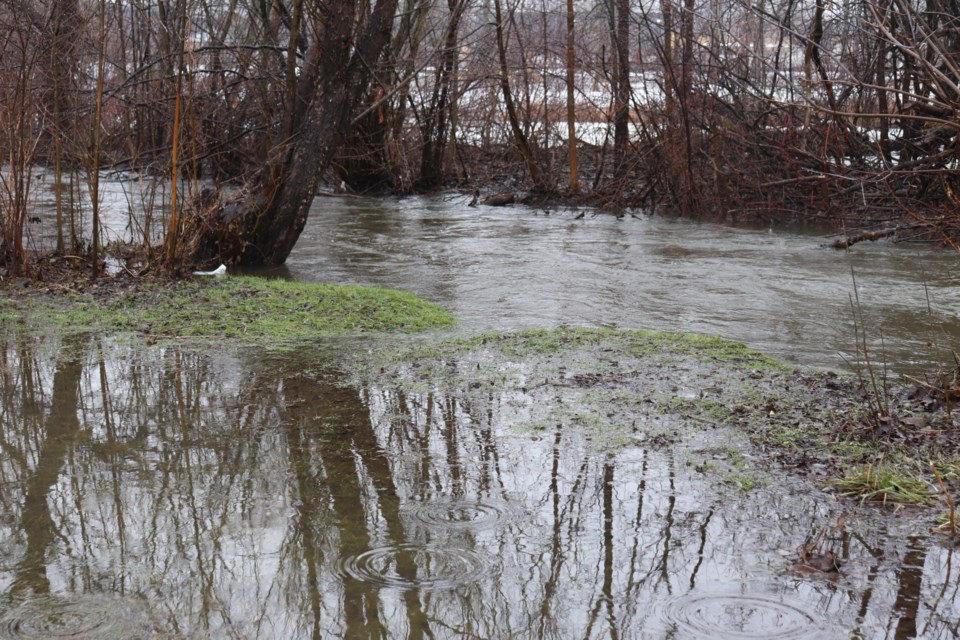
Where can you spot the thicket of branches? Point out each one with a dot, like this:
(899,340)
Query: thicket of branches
(846,112)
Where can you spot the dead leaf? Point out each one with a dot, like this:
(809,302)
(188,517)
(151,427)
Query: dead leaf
(916,422)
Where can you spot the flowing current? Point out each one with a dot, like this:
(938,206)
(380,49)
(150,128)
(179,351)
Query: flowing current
(778,291)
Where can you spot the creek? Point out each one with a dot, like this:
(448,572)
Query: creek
(215,491)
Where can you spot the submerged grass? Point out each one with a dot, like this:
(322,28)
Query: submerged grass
(626,342)
(249,308)
(622,385)
(886,485)
(949,521)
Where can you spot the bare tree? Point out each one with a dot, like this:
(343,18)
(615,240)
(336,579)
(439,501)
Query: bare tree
(21,125)
(572,160)
(436,117)
(519,135)
(261,224)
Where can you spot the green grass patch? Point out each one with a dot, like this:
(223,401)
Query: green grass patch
(236,307)
(744,483)
(705,348)
(886,485)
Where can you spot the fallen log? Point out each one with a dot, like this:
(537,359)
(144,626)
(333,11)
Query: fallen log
(500,199)
(872,236)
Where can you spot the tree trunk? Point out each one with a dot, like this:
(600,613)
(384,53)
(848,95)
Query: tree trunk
(261,224)
(666,10)
(572,161)
(621,122)
(519,137)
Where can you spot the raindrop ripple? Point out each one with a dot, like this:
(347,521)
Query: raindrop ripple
(741,612)
(432,567)
(78,617)
(455,514)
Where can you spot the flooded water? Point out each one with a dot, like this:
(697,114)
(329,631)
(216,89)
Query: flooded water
(778,291)
(207,492)
(178,493)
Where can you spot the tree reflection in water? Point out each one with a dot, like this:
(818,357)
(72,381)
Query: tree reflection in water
(258,495)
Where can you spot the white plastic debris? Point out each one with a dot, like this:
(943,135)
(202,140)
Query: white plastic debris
(219,271)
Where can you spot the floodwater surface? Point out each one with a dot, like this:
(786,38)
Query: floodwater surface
(778,291)
(210,491)
(194,493)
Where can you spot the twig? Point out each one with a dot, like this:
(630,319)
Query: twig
(952,518)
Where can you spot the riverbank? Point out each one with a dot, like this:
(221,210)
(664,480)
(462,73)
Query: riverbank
(249,309)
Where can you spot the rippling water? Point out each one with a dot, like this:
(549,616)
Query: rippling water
(778,291)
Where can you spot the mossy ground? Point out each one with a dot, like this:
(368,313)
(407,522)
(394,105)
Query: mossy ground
(246,308)
(637,386)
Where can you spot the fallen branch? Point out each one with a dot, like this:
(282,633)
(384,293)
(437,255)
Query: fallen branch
(500,199)
(777,183)
(872,236)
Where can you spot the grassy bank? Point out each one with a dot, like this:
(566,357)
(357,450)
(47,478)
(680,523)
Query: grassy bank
(254,309)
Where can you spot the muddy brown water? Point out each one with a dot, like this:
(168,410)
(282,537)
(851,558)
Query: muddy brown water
(198,492)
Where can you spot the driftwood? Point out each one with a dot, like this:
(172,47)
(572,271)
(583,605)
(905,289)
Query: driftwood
(872,236)
(500,199)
